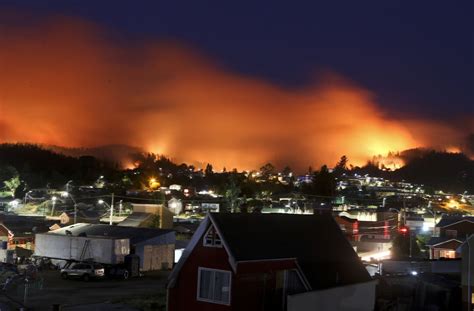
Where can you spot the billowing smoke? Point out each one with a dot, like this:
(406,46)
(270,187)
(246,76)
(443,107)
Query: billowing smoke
(67,82)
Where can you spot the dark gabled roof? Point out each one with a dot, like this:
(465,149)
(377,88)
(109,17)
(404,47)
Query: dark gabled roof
(181,244)
(135,235)
(449,220)
(25,225)
(135,219)
(325,256)
(440,240)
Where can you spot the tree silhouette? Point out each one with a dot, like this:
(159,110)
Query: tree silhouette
(341,166)
(267,170)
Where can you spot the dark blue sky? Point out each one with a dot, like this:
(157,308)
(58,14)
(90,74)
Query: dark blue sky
(417,56)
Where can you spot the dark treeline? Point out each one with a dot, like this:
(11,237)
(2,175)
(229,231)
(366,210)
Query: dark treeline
(436,170)
(37,167)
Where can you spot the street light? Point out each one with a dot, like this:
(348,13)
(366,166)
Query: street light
(432,212)
(53,199)
(68,185)
(111,210)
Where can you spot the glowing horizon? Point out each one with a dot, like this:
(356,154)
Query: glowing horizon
(63,84)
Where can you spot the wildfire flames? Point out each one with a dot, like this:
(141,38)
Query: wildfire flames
(65,82)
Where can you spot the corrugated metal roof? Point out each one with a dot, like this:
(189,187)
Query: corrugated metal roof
(135,219)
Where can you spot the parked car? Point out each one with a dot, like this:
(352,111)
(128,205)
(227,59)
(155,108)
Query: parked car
(85,271)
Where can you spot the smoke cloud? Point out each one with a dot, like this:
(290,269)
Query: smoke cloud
(68,82)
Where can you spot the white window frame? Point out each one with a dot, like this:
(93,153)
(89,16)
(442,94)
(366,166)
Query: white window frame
(204,240)
(199,286)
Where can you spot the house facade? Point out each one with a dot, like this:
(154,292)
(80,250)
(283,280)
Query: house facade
(370,239)
(466,252)
(450,233)
(19,231)
(241,262)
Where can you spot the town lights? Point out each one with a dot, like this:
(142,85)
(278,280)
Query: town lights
(453,203)
(153,184)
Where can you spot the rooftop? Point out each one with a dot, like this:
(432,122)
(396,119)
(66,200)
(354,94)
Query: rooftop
(325,256)
(136,235)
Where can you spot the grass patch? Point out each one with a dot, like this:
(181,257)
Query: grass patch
(146,303)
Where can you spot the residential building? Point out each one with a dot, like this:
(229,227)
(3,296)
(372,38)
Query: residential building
(269,262)
(370,239)
(450,233)
(19,231)
(466,252)
(88,216)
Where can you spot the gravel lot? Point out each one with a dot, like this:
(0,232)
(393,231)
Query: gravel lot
(72,293)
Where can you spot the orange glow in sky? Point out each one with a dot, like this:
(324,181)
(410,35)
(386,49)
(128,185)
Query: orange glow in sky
(63,83)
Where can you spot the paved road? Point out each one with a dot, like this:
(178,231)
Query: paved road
(69,293)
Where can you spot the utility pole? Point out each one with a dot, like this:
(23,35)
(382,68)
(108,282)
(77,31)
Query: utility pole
(404,211)
(111,209)
(75,212)
(434,215)
(410,243)
(53,199)
(112,200)
(469,289)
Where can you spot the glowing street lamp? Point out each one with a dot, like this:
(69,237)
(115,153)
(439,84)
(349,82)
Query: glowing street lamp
(53,199)
(111,210)
(153,183)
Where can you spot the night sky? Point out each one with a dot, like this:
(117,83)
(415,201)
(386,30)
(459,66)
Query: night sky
(415,55)
(413,58)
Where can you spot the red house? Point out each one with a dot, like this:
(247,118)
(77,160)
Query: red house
(255,261)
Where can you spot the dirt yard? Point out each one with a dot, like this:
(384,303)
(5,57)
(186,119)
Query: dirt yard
(137,292)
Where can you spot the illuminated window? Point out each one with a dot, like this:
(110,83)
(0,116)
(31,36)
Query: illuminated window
(444,253)
(212,238)
(214,286)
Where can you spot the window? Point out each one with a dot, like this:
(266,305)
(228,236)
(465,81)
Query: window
(451,233)
(212,239)
(444,253)
(213,286)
